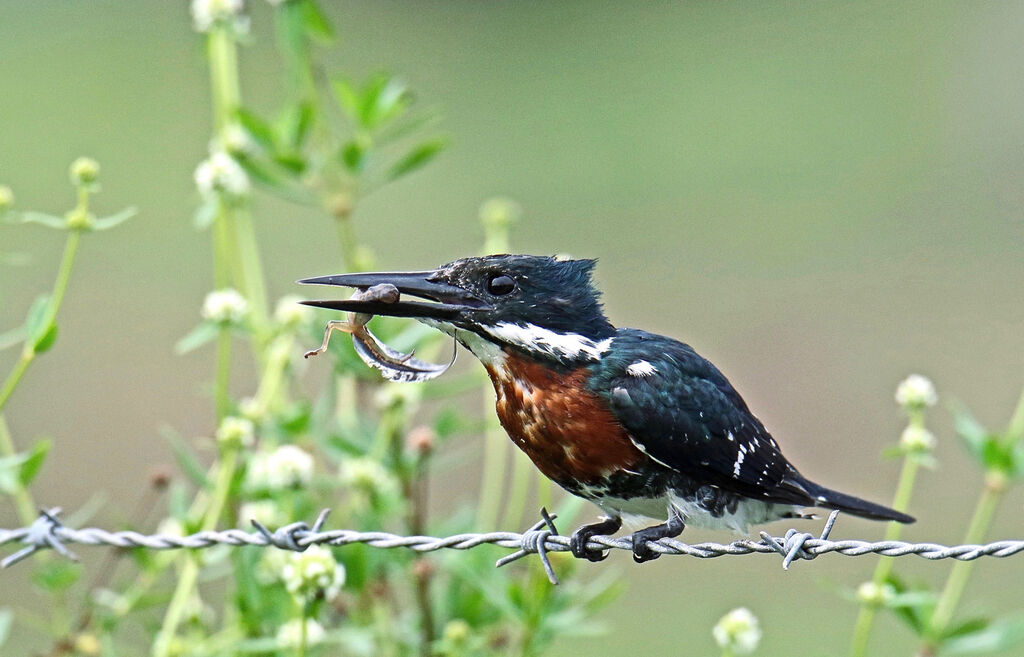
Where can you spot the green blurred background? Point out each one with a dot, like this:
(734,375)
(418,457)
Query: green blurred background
(820,197)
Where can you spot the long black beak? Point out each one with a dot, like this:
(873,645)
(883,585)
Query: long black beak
(450,300)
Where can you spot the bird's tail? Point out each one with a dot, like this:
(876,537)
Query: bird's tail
(831,499)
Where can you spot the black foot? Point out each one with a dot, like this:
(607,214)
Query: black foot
(579,538)
(669,529)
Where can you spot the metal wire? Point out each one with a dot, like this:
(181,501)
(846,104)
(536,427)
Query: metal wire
(47,532)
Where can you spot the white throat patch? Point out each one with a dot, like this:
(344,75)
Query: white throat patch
(561,345)
(488,352)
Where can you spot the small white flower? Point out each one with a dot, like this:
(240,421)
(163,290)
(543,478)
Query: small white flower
(290,312)
(205,13)
(236,140)
(917,440)
(368,476)
(875,595)
(224,306)
(265,512)
(287,466)
(6,197)
(289,635)
(312,573)
(221,173)
(236,431)
(738,631)
(916,392)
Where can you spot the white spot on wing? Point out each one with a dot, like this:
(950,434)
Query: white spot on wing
(641,368)
(738,463)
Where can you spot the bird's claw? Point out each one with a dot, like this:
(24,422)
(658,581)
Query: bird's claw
(579,539)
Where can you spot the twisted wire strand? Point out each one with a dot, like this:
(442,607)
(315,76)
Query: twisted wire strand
(47,532)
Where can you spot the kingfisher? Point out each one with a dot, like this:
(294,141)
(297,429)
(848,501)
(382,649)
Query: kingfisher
(637,423)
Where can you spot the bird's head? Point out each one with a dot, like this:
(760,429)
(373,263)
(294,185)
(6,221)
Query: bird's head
(542,306)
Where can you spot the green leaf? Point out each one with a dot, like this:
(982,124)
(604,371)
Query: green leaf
(43,219)
(347,97)
(106,223)
(261,131)
(57,576)
(6,620)
(297,122)
(353,156)
(46,340)
(33,462)
(197,337)
(316,23)
(36,316)
(186,459)
(416,158)
(384,99)
(10,469)
(969,626)
(997,636)
(13,337)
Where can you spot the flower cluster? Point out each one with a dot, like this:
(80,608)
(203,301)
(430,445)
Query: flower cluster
(236,432)
(225,306)
(208,13)
(916,392)
(221,173)
(287,466)
(313,573)
(738,632)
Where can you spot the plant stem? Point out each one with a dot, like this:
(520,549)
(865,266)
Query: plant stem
(958,576)
(492,482)
(901,501)
(60,286)
(22,498)
(515,504)
(190,573)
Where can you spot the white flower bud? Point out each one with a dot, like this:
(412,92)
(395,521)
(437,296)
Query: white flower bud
(6,198)
(221,173)
(287,466)
(236,432)
(916,392)
(312,573)
(456,631)
(738,631)
(205,13)
(84,171)
(368,476)
(289,635)
(917,440)
(290,312)
(265,512)
(225,306)
(236,140)
(875,595)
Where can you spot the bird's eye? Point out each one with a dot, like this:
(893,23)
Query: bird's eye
(500,285)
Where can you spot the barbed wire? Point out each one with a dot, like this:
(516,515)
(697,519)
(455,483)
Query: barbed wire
(47,532)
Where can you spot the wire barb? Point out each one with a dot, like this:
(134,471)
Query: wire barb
(535,541)
(47,532)
(39,535)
